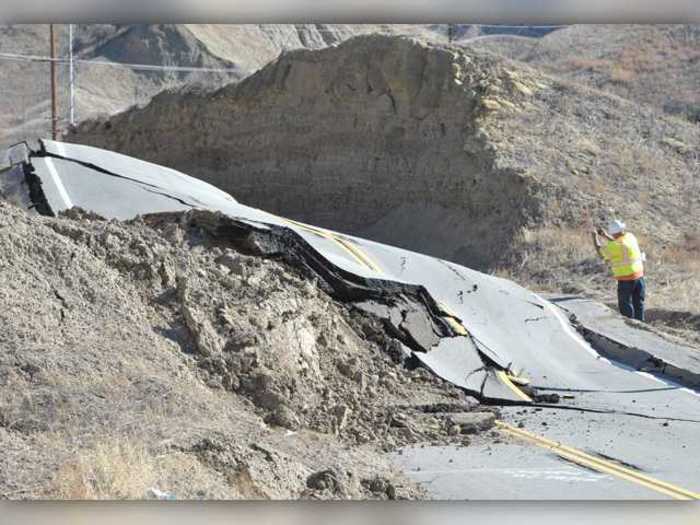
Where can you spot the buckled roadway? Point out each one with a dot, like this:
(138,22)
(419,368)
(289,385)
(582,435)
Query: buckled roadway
(615,432)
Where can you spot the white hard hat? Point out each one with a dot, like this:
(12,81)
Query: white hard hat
(616,227)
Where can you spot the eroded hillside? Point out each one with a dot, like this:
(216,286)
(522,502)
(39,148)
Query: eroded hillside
(438,149)
(653,64)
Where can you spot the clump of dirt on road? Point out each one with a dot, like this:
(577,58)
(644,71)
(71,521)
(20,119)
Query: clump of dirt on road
(152,358)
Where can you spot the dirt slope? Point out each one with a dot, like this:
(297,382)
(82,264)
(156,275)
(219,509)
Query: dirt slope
(140,357)
(438,149)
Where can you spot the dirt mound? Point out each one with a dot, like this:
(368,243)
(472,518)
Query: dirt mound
(240,49)
(156,358)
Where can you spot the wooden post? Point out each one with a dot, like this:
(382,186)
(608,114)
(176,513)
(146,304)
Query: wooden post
(54,133)
(71,76)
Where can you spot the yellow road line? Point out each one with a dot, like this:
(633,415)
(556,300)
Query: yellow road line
(357,253)
(451,318)
(447,310)
(506,380)
(456,326)
(307,227)
(601,465)
(349,247)
(564,451)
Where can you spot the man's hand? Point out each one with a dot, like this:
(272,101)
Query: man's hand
(605,235)
(596,240)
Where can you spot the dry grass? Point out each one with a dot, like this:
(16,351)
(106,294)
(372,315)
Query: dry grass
(116,470)
(589,64)
(620,74)
(554,259)
(571,243)
(677,289)
(563,260)
(550,247)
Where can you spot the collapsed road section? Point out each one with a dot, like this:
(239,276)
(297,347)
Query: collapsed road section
(492,338)
(496,340)
(56,176)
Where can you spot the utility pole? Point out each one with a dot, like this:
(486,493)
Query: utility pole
(71,69)
(53,83)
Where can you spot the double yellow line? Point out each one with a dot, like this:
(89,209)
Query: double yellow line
(572,454)
(508,380)
(349,247)
(504,376)
(598,464)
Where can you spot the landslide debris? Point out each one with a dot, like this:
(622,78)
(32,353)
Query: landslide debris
(153,357)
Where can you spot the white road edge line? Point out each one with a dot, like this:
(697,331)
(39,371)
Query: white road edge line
(566,325)
(582,342)
(56,179)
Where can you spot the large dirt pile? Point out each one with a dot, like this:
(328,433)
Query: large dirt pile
(149,357)
(239,49)
(439,149)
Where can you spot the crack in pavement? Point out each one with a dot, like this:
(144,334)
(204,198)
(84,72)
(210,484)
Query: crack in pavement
(97,168)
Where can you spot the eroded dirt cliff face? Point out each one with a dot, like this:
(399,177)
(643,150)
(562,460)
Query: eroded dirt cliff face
(437,149)
(226,52)
(378,138)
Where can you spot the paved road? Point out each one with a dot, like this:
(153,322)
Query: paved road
(614,432)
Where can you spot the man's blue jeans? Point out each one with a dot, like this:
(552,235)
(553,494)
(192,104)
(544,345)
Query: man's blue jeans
(630,298)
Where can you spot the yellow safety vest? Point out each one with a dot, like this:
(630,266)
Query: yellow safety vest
(625,257)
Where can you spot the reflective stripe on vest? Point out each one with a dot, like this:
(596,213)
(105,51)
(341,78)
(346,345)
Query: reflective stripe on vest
(625,256)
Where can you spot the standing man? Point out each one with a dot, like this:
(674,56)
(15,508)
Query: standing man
(621,251)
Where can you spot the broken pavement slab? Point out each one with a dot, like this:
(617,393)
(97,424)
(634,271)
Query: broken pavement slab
(499,342)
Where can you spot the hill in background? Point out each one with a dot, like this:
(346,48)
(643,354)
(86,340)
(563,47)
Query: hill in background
(657,65)
(236,50)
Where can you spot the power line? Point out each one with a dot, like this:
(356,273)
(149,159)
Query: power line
(523,26)
(124,65)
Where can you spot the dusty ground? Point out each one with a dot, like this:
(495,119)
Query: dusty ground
(139,359)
